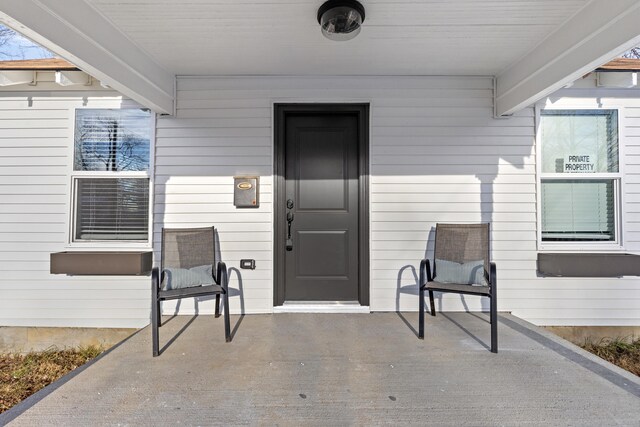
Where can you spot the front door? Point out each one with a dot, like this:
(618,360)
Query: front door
(321,206)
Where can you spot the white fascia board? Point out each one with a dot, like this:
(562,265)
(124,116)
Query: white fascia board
(596,34)
(79,33)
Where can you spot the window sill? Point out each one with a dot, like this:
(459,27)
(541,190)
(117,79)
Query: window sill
(109,246)
(581,247)
(566,264)
(106,263)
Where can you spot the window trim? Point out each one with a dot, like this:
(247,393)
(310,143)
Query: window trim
(108,245)
(618,180)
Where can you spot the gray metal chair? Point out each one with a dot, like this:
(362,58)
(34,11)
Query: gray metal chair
(189,257)
(461,252)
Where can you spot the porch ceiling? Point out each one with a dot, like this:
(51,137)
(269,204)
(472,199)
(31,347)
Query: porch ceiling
(282,37)
(532,47)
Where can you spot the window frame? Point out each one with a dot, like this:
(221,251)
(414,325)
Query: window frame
(74,175)
(616,245)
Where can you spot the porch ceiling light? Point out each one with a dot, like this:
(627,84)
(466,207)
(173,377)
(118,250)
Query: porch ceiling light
(341,20)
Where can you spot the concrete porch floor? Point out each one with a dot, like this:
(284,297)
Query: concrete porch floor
(340,369)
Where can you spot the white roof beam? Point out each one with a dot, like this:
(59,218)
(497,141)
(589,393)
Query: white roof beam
(77,32)
(72,78)
(596,34)
(16,77)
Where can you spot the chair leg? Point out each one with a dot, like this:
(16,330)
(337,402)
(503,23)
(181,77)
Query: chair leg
(494,325)
(421,315)
(217,305)
(159,311)
(155,312)
(433,305)
(223,280)
(227,322)
(493,307)
(154,331)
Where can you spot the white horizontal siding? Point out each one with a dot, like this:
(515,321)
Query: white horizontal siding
(35,160)
(436,155)
(596,301)
(197,154)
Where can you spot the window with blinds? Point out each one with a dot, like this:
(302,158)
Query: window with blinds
(112,209)
(580,175)
(111,175)
(578,210)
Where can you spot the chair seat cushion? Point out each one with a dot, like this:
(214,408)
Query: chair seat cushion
(178,278)
(471,272)
(458,288)
(195,291)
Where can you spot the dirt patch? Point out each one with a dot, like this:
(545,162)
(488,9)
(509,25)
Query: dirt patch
(617,351)
(21,375)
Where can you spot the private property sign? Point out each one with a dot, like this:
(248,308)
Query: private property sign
(580,163)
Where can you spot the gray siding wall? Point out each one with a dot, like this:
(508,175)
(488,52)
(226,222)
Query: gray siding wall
(35,160)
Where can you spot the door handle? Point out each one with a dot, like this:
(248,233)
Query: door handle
(289,243)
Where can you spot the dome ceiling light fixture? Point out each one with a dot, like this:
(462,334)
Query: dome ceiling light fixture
(341,20)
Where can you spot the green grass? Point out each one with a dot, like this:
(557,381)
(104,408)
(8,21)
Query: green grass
(618,351)
(21,375)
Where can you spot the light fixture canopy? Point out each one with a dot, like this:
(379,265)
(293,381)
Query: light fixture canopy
(341,20)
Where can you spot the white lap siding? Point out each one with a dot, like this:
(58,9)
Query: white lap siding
(437,155)
(594,301)
(35,162)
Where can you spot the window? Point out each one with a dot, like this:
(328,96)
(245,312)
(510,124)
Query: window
(111,175)
(580,176)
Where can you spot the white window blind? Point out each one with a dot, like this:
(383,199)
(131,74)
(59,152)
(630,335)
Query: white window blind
(112,209)
(578,210)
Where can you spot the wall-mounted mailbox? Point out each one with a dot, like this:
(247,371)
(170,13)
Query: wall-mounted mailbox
(245,191)
(248,264)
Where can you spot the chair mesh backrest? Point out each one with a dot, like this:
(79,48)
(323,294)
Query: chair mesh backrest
(188,247)
(462,243)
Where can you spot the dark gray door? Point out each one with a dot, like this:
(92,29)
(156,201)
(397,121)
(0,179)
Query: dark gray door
(321,193)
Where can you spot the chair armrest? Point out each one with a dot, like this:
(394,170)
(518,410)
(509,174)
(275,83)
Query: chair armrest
(155,278)
(425,273)
(221,276)
(493,275)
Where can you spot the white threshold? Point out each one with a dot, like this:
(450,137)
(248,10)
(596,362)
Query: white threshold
(321,307)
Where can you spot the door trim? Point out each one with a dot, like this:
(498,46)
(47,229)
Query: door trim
(279,224)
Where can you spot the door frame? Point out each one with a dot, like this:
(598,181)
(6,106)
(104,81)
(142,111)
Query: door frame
(361,110)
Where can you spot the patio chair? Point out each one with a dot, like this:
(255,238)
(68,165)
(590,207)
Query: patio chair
(462,266)
(187,271)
